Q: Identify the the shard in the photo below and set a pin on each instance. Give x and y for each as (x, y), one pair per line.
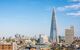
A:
(53, 30)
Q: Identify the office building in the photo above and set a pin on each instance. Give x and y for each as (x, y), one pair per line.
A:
(53, 31)
(69, 35)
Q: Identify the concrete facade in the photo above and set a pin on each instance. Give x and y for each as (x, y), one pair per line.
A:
(69, 35)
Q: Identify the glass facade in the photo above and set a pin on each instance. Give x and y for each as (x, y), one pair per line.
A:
(53, 31)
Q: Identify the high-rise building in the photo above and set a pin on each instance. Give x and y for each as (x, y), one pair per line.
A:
(69, 35)
(53, 31)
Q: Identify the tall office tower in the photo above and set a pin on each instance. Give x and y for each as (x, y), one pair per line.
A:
(69, 35)
(53, 31)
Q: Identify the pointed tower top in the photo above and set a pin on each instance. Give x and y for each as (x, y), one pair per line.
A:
(53, 12)
(53, 31)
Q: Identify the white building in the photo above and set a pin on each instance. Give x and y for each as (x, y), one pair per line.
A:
(43, 39)
(15, 47)
(69, 35)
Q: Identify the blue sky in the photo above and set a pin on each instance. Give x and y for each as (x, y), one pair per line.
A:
(33, 17)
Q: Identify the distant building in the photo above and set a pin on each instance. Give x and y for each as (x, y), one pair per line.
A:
(43, 39)
(76, 38)
(30, 48)
(8, 46)
(61, 38)
(69, 35)
(38, 47)
(45, 49)
(53, 31)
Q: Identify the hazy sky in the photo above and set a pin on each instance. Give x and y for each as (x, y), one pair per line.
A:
(33, 17)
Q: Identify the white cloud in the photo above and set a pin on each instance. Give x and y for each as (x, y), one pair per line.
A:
(75, 6)
(75, 0)
(60, 8)
(69, 7)
(74, 14)
(70, 10)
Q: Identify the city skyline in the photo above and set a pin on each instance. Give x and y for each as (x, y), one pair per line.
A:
(30, 17)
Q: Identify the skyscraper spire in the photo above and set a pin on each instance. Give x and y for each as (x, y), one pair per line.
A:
(53, 31)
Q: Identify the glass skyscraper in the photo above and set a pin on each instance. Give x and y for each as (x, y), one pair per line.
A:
(53, 30)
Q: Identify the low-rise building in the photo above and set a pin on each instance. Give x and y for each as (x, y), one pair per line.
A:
(43, 39)
(8, 46)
